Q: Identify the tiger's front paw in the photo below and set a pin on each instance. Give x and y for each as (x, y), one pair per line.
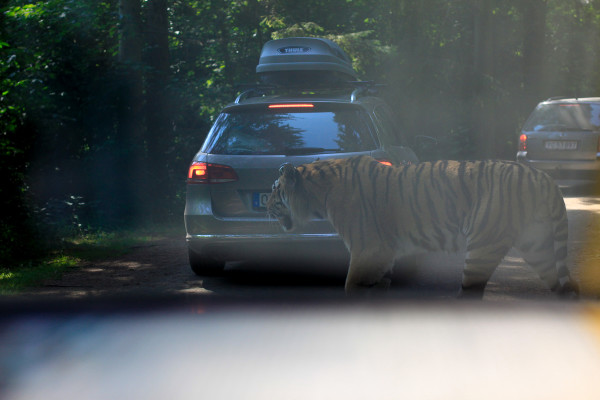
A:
(473, 292)
(367, 289)
(383, 284)
(568, 291)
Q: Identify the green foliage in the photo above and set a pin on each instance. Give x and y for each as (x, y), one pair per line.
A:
(72, 252)
(14, 279)
(79, 146)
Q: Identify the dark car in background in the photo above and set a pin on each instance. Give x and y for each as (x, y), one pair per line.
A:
(311, 111)
(562, 138)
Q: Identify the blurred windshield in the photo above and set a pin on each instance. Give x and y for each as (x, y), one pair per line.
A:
(566, 116)
(290, 133)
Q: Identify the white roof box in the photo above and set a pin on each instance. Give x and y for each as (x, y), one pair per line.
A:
(304, 61)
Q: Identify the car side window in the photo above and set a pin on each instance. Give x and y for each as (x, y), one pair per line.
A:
(389, 128)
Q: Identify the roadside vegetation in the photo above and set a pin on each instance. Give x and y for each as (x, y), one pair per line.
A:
(74, 250)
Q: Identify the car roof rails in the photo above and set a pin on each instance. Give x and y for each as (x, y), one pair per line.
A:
(252, 90)
(367, 88)
(359, 88)
(557, 98)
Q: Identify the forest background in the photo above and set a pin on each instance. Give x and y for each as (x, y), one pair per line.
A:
(104, 103)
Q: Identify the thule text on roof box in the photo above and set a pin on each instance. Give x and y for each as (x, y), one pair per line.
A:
(304, 61)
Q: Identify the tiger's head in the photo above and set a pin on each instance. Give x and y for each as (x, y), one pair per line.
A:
(284, 197)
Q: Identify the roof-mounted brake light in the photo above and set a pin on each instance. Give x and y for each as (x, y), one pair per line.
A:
(291, 105)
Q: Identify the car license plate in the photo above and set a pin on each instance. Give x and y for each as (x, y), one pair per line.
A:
(259, 200)
(561, 145)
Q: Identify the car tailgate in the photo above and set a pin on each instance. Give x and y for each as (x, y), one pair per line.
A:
(246, 198)
(570, 145)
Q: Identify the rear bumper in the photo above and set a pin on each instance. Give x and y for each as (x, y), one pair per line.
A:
(243, 238)
(269, 246)
(565, 173)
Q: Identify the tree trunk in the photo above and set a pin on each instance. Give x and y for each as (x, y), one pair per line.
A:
(534, 38)
(482, 115)
(128, 155)
(158, 112)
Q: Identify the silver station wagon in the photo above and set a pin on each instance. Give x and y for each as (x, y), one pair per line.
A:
(230, 178)
(562, 138)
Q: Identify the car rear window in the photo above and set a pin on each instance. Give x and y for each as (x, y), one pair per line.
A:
(290, 132)
(564, 116)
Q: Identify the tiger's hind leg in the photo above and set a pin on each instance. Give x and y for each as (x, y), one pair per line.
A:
(368, 271)
(480, 263)
(538, 248)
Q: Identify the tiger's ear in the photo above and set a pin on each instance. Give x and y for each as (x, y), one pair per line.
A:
(289, 171)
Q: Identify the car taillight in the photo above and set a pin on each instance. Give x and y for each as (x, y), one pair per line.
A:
(201, 172)
(523, 142)
(385, 162)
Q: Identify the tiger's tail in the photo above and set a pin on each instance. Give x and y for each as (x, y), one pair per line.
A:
(565, 285)
(544, 239)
